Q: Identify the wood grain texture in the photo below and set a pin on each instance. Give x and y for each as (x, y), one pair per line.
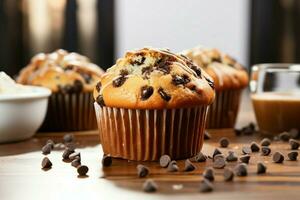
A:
(21, 176)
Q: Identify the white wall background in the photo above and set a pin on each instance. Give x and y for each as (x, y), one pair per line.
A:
(183, 24)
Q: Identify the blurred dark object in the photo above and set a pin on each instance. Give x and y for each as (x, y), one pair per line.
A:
(29, 27)
(275, 31)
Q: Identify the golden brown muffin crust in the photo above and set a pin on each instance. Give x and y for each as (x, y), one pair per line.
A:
(226, 72)
(61, 71)
(154, 79)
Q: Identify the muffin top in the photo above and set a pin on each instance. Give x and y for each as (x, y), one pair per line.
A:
(225, 71)
(154, 79)
(61, 71)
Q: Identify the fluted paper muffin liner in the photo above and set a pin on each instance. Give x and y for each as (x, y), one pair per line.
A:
(145, 135)
(223, 112)
(70, 112)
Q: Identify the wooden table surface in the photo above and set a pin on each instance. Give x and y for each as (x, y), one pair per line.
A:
(21, 176)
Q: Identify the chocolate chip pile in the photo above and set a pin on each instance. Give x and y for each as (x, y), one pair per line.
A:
(69, 154)
(219, 159)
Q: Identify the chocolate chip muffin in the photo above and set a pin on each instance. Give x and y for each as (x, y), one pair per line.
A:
(150, 103)
(71, 78)
(230, 79)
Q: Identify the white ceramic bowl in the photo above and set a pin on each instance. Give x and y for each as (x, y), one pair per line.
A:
(22, 114)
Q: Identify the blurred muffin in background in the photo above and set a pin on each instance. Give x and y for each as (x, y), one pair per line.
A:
(71, 78)
(230, 79)
(150, 103)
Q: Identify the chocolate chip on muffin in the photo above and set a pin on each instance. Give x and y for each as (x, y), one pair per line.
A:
(146, 92)
(178, 80)
(119, 81)
(197, 70)
(146, 71)
(87, 77)
(98, 86)
(124, 72)
(210, 83)
(100, 100)
(164, 95)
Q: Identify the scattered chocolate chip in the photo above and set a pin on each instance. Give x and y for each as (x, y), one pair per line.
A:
(231, 156)
(74, 155)
(265, 142)
(164, 95)
(216, 152)
(47, 149)
(189, 166)
(51, 142)
(252, 126)
(293, 155)
(98, 86)
(261, 168)
(228, 174)
(209, 174)
(82, 170)
(294, 133)
(119, 81)
(59, 146)
(224, 142)
(146, 92)
(278, 157)
(106, 161)
(76, 162)
(46, 163)
(77, 86)
(219, 162)
(254, 147)
(200, 157)
(142, 170)
(241, 169)
(100, 100)
(276, 138)
(164, 160)
(238, 132)
(246, 150)
(284, 136)
(206, 186)
(67, 152)
(68, 138)
(70, 145)
(173, 167)
(149, 186)
(245, 159)
(294, 144)
(207, 135)
(210, 83)
(265, 151)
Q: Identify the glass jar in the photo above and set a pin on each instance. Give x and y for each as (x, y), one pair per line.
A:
(275, 95)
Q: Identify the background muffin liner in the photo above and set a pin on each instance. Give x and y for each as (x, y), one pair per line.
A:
(70, 112)
(223, 112)
(145, 135)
